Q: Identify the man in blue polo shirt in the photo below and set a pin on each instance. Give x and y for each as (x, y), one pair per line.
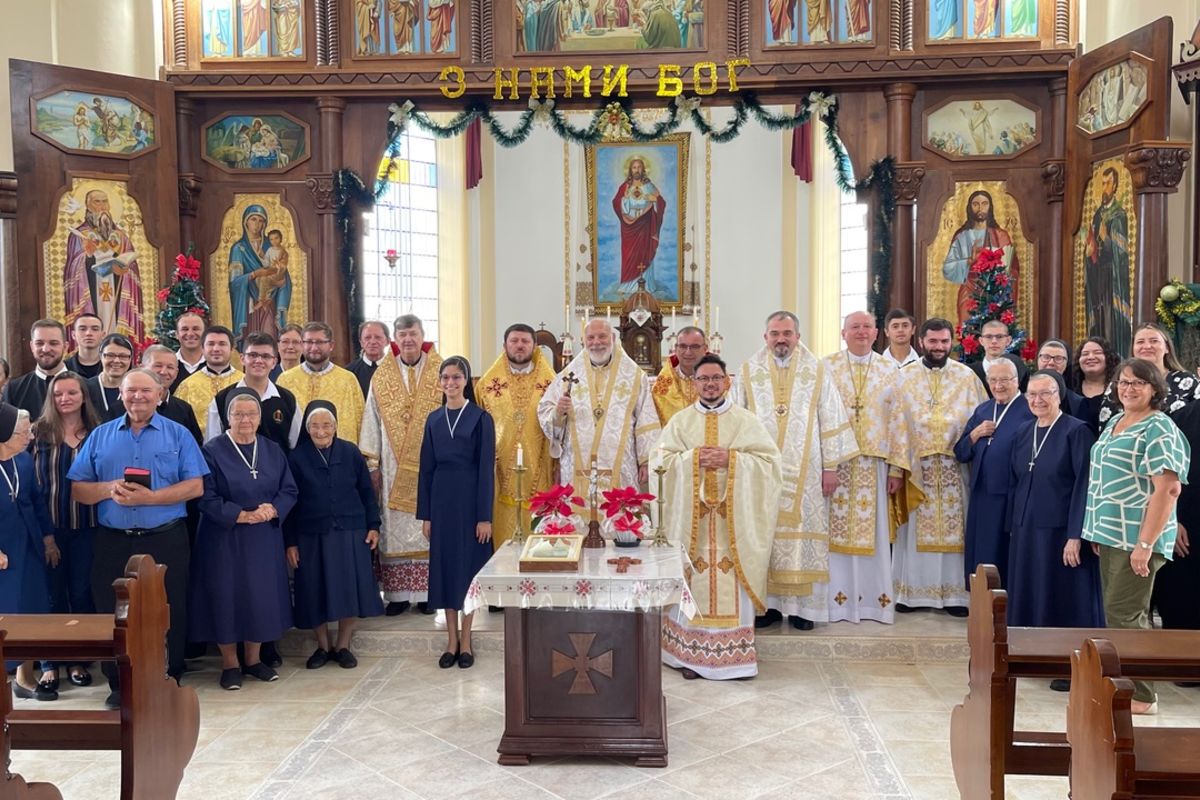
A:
(134, 519)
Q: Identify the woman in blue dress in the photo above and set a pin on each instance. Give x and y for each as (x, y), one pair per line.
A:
(1053, 577)
(26, 537)
(330, 535)
(454, 499)
(985, 444)
(239, 586)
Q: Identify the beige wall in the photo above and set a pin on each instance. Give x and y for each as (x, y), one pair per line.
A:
(118, 36)
(1105, 20)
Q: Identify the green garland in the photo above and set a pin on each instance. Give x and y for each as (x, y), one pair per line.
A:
(615, 120)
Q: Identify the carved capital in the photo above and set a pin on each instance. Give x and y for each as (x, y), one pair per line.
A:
(1157, 166)
(900, 92)
(189, 194)
(328, 104)
(1054, 179)
(909, 175)
(321, 187)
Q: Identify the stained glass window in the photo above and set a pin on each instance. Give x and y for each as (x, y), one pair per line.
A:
(818, 22)
(400, 247)
(252, 28)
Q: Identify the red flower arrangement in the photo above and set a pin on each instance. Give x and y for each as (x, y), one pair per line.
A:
(1030, 350)
(187, 268)
(552, 510)
(625, 512)
(990, 299)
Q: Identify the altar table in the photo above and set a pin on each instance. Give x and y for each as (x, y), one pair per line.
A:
(582, 653)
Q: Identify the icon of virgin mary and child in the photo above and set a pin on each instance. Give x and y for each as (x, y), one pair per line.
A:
(260, 288)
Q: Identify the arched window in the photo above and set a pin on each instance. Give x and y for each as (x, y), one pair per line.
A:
(400, 247)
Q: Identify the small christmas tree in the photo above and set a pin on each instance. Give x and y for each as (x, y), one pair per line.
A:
(184, 295)
(991, 299)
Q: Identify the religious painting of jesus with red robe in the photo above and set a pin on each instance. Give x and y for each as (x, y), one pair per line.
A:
(637, 197)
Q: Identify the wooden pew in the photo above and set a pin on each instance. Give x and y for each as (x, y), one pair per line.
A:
(13, 786)
(158, 723)
(1108, 759)
(983, 743)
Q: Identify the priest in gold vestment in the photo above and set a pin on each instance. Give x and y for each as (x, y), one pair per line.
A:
(599, 410)
(793, 395)
(860, 559)
(936, 397)
(673, 390)
(510, 391)
(404, 392)
(200, 388)
(318, 378)
(721, 494)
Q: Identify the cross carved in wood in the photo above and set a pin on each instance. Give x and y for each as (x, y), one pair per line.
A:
(623, 563)
(582, 663)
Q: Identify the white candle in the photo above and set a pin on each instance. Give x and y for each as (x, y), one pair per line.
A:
(717, 319)
(608, 314)
(672, 319)
(520, 455)
(567, 317)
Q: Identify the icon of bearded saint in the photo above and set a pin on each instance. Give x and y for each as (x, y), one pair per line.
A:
(101, 274)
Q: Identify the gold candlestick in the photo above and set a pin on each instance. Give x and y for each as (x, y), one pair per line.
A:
(660, 533)
(518, 535)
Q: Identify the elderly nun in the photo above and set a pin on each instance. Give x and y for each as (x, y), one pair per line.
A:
(1053, 576)
(239, 589)
(330, 535)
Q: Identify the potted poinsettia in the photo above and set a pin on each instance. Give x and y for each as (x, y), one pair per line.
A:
(626, 515)
(553, 511)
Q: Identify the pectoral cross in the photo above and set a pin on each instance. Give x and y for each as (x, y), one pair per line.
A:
(857, 407)
(623, 563)
(1031, 463)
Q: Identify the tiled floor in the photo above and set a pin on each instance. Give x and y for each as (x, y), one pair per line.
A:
(398, 727)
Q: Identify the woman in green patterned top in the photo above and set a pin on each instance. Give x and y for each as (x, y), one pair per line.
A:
(1132, 488)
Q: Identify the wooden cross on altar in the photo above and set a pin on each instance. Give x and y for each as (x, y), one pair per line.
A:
(623, 563)
(582, 662)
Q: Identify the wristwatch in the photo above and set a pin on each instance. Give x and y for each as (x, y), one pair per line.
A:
(1144, 545)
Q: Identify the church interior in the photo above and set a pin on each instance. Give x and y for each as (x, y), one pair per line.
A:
(467, 161)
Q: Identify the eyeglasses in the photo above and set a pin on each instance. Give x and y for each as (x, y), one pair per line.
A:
(1001, 380)
(307, 342)
(243, 415)
(258, 356)
(117, 356)
(1045, 395)
(709, 378)
(1135, 384)
(689, 348)
(1053, 359)
(994, 337)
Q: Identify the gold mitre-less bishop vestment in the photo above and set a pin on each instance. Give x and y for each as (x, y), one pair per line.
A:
(799, 405)
(936, 404)
(200, 388)
(867, 388)
(725, 520)
(613, 422)
(401, 398)
(512, 397)
(672, 391)
(333, 384)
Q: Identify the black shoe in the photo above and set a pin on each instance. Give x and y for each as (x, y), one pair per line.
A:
(231, 679)
(23, 693)
(903, 609)
(270, 655)
(345, 659)
(689, 674)
(1188, 684)
(447, 660)
(495, 609)
(47, 691)
(767, 620)
(396, 609)
(318, 659)
(800, 623)
(425, 609)
(958, 611)
(466, 661)
(261, 671)
(1060, 685)
(113, 701)
(83, 678)
(51, 685)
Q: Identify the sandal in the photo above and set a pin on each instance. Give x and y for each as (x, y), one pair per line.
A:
(47, 690)
(80, 677)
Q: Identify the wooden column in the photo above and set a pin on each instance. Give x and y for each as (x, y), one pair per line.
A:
(189, 183)
(328, 296)
(1049, 321)
(1157, 168)
(899, 138)
(11, 334)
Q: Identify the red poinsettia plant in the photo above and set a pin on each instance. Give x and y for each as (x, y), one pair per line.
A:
(626, 512)
(990, 298)
(553, 511)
